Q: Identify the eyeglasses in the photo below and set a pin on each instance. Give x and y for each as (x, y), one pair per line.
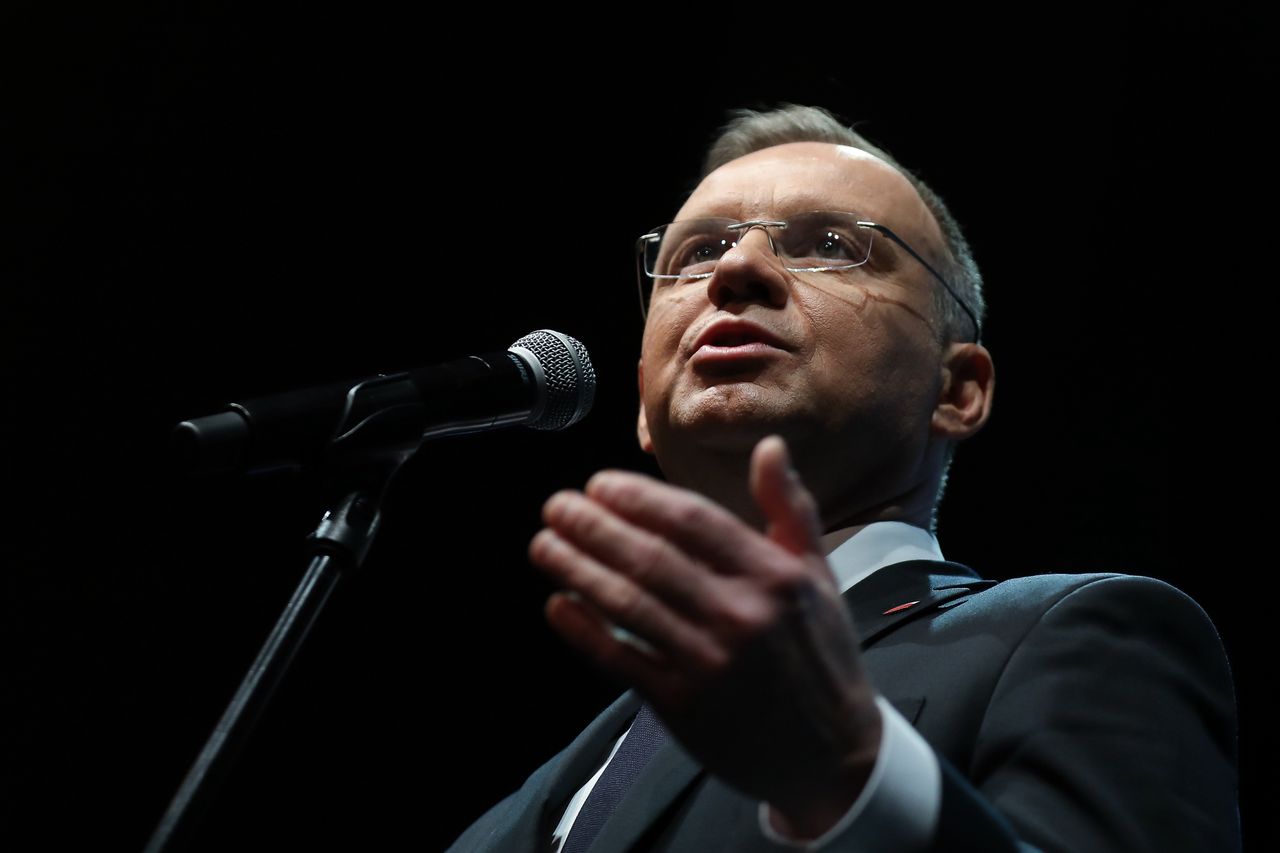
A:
(815, 241)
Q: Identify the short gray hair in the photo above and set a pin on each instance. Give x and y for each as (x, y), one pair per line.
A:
(751, 130)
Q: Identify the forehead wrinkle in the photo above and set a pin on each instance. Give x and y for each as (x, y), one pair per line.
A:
(739, 205)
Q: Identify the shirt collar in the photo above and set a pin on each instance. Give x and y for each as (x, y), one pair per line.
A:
(855, 552)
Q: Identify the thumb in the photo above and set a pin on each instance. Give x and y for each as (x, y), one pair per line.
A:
(790, 511)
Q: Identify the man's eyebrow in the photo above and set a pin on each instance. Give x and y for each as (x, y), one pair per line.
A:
(795, 204)
(792, 205)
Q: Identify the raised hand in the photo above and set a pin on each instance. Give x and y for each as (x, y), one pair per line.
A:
(739, 639)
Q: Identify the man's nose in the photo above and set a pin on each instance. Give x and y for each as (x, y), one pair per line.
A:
(750, 271)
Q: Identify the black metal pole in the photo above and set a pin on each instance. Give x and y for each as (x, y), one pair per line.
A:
(341, 541)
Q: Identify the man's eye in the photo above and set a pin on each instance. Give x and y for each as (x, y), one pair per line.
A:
(832, 245)
(827, 246)
(699, 257)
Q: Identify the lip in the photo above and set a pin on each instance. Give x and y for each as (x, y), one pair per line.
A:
(748, 347)
(754, 338)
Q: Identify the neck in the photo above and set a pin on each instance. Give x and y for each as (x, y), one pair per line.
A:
(723, 476)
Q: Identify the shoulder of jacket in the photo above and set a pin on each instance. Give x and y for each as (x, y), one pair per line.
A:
(1145, 598)
(1044, 591)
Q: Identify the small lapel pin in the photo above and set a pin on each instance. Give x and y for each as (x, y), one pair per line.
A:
(900, 607)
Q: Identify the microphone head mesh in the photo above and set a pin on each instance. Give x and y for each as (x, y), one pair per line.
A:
(567, 384)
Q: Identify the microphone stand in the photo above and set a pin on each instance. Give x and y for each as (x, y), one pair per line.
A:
(361, 461)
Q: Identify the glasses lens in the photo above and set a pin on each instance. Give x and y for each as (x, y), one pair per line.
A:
(687, 249)
(824, 240)
(814, 241)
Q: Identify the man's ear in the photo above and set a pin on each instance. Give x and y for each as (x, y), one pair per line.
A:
(642, 426)
(968, 385)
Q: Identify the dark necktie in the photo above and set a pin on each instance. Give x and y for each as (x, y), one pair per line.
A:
(642, 741)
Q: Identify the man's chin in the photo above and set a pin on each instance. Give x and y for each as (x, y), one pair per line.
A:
(727, 432)
(730, 417)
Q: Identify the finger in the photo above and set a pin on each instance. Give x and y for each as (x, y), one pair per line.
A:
(648, 559)
(789, 508)
(696, 525)
(592, 636)
(625, 603)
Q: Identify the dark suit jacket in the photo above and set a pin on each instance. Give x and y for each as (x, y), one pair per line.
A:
(1083, 713)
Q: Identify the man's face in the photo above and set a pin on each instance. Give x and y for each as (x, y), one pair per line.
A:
(845, 364)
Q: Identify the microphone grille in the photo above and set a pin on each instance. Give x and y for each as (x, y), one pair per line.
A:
(566, 379)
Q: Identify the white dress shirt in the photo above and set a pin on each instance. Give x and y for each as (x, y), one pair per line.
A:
(898, 808)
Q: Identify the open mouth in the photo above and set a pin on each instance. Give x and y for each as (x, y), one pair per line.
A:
(731, 339)
(736, 335)
(734, 349)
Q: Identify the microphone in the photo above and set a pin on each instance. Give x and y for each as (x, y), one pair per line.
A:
(544, 381)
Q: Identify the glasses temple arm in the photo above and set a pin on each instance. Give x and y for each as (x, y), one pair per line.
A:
(977, 327)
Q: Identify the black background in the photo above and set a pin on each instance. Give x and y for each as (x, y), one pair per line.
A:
(211, 201)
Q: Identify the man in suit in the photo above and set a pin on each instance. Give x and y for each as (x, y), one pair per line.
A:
(809, 671)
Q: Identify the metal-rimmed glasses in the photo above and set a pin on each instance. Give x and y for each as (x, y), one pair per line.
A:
(813, 241)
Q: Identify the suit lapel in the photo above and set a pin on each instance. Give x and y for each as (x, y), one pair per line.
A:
(905, 591)
(928, 583)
